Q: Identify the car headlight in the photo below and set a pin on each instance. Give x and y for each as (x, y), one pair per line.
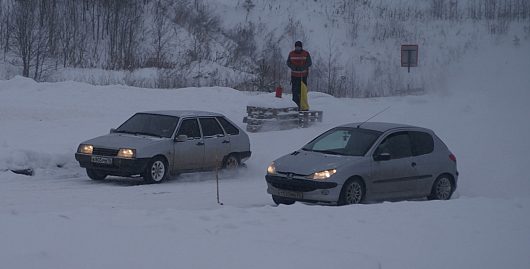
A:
(271, 170)
(323, 175)
(127, 153)
(85, 149)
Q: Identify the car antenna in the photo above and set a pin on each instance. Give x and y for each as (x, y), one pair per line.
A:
(358, 126)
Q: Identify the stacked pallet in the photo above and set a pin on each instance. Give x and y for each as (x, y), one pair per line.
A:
(268, 118)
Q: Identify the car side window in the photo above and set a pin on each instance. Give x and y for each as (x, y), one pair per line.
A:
(229, 127)
(210, 127)
(190, 127)
(422, 143)
(397, 144)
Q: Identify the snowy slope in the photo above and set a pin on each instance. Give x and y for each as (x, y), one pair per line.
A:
(61, 219)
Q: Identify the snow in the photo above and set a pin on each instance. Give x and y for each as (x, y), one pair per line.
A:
(59, 218)
(271, 101)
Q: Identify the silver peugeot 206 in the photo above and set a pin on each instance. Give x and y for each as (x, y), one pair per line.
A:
(361, 162)
(158, 143)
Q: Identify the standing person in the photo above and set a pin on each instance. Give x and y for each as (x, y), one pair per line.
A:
(299, 62)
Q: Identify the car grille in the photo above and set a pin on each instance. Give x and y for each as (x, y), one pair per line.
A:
(297, 184)
(293, 187)
(105, 152)
(287, 174)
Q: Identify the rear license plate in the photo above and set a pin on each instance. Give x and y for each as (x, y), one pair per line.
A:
(288, 194)
(101, 160)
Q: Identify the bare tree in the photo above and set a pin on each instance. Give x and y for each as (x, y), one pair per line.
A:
(244, 47)
(248, 5)
(332, 68)
(161, 35)
(5, 26)
(29, 36)
(125, 23)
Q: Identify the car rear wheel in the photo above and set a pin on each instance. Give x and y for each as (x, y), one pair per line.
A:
(156, 170)
(95, 174)
(442, 189)
(282, 201)
(352, 192)
(231, 162)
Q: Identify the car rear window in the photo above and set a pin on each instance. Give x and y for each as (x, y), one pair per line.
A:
(210, 127)
(229, 127)
(422, 143)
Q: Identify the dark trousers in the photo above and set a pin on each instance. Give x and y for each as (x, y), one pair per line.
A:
(296, 88)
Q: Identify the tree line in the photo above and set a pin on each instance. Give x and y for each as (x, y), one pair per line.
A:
(175, 36)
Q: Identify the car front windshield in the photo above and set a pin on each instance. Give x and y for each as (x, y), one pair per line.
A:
(344, 141)
(149, 124)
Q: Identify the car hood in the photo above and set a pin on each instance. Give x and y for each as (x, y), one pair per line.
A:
(308, 162)
(116, 141)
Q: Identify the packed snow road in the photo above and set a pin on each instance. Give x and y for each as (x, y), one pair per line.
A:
(59, 218)
(63, 222)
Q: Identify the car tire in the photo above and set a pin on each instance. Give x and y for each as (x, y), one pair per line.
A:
(95, 174)
(156, 170)
(282, 201)
(231, 162)
(353, 192)
(442, 188)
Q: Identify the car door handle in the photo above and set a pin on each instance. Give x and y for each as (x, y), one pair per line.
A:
(226, 141)
(200, 143)
(413, 164)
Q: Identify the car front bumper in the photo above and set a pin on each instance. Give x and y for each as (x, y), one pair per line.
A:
(304, 190)
(119, 166)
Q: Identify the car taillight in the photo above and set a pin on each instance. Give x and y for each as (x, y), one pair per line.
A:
(452, 157)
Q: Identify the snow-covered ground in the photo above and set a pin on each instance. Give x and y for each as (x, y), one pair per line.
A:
(59, 218)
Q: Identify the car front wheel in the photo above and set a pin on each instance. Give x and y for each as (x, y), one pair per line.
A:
(156, 170)
(352, 192)
(95, 174)
(442, 189)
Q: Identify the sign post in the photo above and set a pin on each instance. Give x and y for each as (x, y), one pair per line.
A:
(409, 56)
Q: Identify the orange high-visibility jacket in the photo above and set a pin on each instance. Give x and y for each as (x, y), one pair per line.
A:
(299, 62)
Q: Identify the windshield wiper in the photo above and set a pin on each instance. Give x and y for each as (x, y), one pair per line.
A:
(145, 133)
(328, 152)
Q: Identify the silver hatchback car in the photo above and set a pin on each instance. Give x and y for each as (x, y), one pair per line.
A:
(157, 143)
(361, 162)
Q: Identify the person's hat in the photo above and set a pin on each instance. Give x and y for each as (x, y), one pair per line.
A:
(298, 44)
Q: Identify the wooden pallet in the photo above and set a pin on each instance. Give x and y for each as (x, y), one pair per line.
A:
(306, 118)
(265, 118)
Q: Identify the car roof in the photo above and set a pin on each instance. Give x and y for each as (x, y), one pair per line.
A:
(184, 113)
(382, 126)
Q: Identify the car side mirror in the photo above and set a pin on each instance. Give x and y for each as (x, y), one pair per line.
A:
(112, 130)
(181, 138)
(382, 157)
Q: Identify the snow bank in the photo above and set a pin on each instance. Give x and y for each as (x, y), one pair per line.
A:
(271, 101)
(8, 70)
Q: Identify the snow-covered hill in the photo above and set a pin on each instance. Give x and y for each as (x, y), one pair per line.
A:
(243, 44)
(59, 218)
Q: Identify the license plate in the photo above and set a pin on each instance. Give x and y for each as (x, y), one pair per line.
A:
(102, 160)
(288, 194)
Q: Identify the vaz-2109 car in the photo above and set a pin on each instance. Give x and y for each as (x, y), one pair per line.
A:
(357, 162)
(155, 144)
